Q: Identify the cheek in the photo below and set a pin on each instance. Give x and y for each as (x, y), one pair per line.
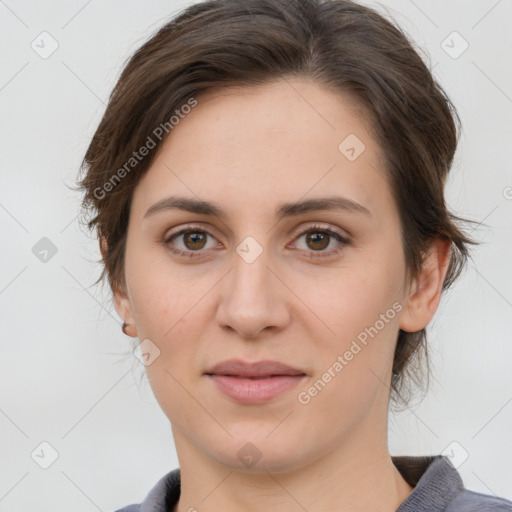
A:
(168, 310)
(171, 314)
(160, 293)
(353, 366)
(351, 299)
(359, 307)
(170, 307)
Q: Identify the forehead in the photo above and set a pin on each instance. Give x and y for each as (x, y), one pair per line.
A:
(265, 145)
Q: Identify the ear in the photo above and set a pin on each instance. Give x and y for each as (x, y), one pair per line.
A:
(121, 299)
(425, 294)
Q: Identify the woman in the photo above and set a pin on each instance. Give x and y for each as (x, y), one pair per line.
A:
(267, 184)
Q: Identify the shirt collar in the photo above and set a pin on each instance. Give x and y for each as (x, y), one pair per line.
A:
(435, 480)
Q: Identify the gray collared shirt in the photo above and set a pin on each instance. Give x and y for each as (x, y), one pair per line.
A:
(437, 487)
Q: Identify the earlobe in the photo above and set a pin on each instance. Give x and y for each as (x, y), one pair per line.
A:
(425, 293)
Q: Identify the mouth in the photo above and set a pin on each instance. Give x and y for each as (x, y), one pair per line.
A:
(258, 369)
(254, 383)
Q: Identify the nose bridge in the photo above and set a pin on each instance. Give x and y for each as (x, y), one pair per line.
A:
(252, 299)
(250, 272)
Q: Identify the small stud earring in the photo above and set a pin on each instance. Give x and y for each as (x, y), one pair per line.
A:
(123, 328)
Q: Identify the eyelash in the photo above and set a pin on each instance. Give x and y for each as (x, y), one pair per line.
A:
(316, 228)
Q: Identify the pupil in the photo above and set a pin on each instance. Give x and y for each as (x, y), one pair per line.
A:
(196, 238)
(318, 238)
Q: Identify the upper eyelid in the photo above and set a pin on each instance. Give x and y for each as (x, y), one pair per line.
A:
(300, 231)
(320, 226)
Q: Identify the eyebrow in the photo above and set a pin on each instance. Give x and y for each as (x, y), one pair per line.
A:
(199, 206)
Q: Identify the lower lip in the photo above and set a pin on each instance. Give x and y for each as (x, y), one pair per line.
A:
(255, 391)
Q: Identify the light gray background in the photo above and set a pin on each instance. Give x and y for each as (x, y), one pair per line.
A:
(64, 379)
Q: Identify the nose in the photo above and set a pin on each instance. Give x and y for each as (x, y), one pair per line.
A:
(253, 298)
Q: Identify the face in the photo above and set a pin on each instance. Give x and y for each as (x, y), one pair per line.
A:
(318, 288)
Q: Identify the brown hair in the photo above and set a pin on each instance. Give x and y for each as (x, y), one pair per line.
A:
(340, 44)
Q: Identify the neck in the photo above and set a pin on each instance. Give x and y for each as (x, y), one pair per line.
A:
(358, 475)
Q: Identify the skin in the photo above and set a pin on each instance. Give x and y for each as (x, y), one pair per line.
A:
(291, 304)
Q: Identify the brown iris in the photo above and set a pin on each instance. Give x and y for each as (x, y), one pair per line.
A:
(197, 239)
(317, 237)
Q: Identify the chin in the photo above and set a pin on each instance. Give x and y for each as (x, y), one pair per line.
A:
(260, 454)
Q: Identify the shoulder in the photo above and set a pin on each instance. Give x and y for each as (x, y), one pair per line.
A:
(130, 508)
(438, 487)
(161, 498)
(469, 501)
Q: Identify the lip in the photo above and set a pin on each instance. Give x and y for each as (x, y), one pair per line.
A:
(254, 383)
(266, 368)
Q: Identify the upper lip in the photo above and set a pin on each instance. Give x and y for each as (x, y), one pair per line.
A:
(240, 368)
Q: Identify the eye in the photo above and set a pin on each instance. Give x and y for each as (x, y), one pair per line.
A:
(194, 239)
(318, 238)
